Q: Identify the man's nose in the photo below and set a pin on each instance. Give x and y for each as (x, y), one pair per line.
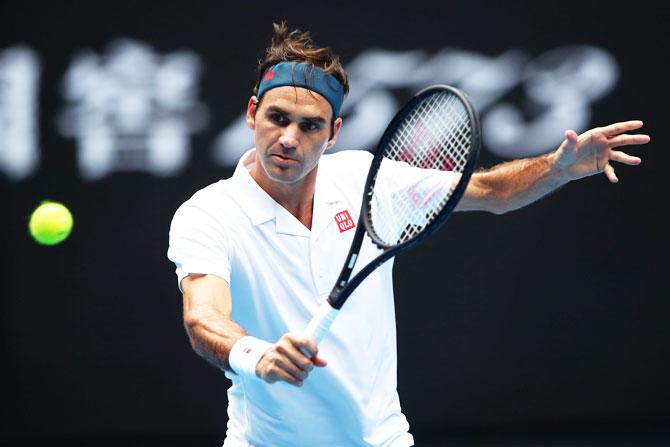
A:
(290, 136)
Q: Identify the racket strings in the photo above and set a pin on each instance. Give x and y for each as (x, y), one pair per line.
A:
(414, 183)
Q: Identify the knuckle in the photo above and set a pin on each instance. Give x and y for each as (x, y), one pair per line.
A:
(309, 347)
(291, 340)
(299, 340)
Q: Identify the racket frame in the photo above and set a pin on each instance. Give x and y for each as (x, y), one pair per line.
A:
(345, 285)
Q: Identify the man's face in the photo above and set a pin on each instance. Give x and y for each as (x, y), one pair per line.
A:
(292, 130)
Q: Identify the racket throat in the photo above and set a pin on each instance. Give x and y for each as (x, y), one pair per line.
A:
(344, 276)
(339, 293)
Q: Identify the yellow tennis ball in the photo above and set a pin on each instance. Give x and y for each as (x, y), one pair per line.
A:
(50, 223)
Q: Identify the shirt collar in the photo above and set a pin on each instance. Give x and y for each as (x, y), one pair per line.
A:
(261, 208)
(255, 202)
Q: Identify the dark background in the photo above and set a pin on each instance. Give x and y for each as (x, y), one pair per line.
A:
(542, 326)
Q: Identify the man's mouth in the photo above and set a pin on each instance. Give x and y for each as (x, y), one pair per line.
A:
(283, 158)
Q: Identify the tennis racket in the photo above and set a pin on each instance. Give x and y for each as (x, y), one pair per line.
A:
(433, 141)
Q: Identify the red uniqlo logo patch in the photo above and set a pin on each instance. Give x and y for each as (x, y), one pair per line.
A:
(344, 221)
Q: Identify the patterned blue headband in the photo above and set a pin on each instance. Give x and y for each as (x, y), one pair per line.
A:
(299, 74)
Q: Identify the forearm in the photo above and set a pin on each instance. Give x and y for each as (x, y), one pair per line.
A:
(512, 185)
(515, 184)
(213, 337)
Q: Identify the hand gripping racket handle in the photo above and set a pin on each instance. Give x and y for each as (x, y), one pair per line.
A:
(321, 322)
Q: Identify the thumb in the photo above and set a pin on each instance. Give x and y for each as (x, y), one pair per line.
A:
(571, 137)
(318, 361)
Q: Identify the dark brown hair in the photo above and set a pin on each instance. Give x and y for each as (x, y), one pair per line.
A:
(298, 46)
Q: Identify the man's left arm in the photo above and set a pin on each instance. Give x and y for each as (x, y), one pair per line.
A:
(515, 184)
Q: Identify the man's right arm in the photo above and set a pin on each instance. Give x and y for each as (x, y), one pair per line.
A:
(207, 318)
(208, 321)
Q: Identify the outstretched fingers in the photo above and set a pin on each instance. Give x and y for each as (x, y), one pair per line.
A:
(624, 158)
(594, 151)
(609, 172)
(618, 128)
(616, 137)
(628, 140)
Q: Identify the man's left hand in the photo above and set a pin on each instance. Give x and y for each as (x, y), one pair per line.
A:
(591, 152)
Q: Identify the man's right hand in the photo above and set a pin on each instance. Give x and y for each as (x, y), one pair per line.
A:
(286, 360)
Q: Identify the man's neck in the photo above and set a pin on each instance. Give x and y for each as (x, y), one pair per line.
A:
(296, 198)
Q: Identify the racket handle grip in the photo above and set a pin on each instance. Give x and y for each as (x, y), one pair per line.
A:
(321, 322)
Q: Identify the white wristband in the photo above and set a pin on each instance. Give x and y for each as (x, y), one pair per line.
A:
(246, 353)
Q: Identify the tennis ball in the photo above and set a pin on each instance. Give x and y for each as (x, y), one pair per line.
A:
(50, 223)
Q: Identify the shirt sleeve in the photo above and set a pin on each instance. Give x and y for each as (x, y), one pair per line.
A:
(198, 244)
(406, 195)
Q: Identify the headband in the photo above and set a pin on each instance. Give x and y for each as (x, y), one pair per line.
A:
(299, 74)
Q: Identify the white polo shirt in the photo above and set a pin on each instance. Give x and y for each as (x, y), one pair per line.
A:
(280, 272)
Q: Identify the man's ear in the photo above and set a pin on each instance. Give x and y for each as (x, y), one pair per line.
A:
(251, 112)
(337, 125)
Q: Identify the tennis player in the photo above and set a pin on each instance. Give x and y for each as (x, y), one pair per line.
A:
(256, 254)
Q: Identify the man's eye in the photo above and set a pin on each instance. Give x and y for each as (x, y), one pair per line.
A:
(308, 126)
(278, 118)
